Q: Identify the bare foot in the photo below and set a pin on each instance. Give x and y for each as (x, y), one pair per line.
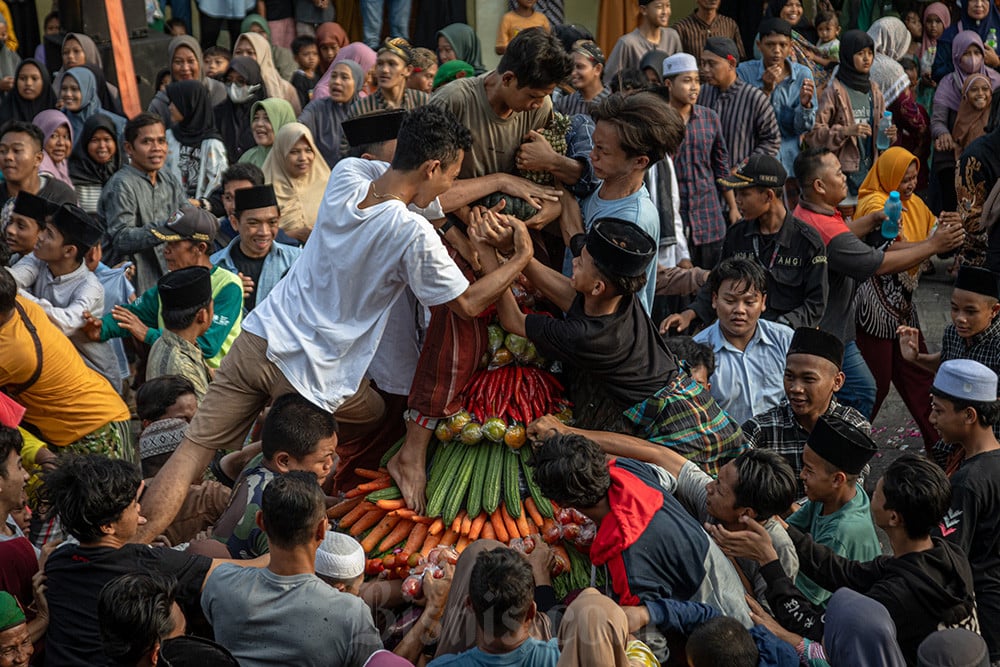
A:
(408, 469)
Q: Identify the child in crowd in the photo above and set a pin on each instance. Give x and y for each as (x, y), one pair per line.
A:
(306, 77)
(915, 26)
(425, 67)
(521, 18)
(828, 46)
(175, 27)
(697, 358)
(26, 220)
(217, 61)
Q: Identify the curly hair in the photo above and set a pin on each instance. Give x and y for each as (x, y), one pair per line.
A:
(572, 469)
(90, 491)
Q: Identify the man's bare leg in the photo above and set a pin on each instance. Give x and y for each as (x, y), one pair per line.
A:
(166, 492)
(409, 466)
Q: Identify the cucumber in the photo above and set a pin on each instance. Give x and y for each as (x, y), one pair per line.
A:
(456, 494)
(541, 502)
(512, 483)
(494, 475)
(392, 493)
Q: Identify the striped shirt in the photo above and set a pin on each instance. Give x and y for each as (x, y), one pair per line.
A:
(747, 117)
(571, 105)
(694, 33)
(376, 102)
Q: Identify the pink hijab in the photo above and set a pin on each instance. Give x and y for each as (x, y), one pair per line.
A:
(949, 91)
(939, 10)
(356, 51)
(49, 121)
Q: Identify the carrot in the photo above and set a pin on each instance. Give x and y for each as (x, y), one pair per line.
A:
(448, 539)
(356, 514)
(431, 542)
(341, 509)
(476, 529)
(367, 521)
(499, 528)
(418, 518)
(463, 541)
(404, 513)
(437, 527)
(371, 474)
(416, 538)
(387, 505)
(376, 485)
(488, 533)
(546, 525)
(399, 533)
(536, 516)
(532, 526)
(522, 525)
(456, 525)
(383, 528)
(466, 524)
(508, 522)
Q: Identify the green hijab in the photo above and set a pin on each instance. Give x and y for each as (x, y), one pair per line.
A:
(255, 19)
(280, 113)
(465, 44)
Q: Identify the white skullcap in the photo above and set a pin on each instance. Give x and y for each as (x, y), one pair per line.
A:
(340, 557)
(679, 63)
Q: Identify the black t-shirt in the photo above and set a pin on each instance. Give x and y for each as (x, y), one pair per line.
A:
(622, 350)
(278, 9)
(250, 267)
(75, 576)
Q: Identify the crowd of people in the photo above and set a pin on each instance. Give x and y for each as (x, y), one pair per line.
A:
(218, 315)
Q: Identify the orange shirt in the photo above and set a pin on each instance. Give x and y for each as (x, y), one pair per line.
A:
(69, 400)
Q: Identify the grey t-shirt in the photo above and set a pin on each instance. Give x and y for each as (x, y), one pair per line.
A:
(266, 619)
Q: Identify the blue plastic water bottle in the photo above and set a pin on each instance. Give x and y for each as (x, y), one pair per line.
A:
(893, 211)
(882, 142)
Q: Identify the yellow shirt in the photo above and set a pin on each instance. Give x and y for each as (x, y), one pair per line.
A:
(69, 400)
(513, 23)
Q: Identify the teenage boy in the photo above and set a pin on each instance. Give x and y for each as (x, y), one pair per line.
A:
(186, 311)
(812, 376)
(837, 513)
(628, 379)
(790, 252)
(589, 89)
(706, 22)
(188, 236)
(522, 17)
(56, 277)
(26, 221)
(925, 585)
(701, 161)
(393, 67)
(749, 351)
(652, 34)
(964, 410)
(851, 261)
(254, 255)
(21, 145)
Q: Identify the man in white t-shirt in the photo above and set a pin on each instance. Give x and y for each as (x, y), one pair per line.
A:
(317, 331)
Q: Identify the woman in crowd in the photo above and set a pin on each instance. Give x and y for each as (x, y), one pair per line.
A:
(78, 93)
(299, 175)
(324, 116)
(94, 160)
(57, 146)
(79, 50)
(892, 39)
(459, 41)
(356, 52)
(330, 39)
(232, 118)
(884, 303)
(186, 63)
(252, 45)
(195, 152)
(266, 118)
(283, 59)
(32, 93)
(978, 16)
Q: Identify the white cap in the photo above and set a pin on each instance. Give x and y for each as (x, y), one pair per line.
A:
(966, 380)
(679, 63)
(340, 557)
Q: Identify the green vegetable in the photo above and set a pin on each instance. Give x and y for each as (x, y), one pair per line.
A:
(472, 433)
(457, 493)
(491, 487)
(511, 483)
(494, 429)
(496, 337)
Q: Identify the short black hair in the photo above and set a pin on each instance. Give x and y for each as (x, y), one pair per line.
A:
(501, 589)
(744, 272)
(630, 80)
(623, 285)
(824, 17)
(8, 292)
(301, 42)
(155, 396)
(295, 425)
(218, 51)
(243, 171)
(427, 133)
(89, 491)
(807, 166)
(536, 58)
(80, 249)
(767, 484)
(988, 413)
(178, 319)
(134, 615)
(160, 76)
(646, 124)
(694, 353)
(569, 34)
(54, 14)
(919, 491)
(292, 504)
(722, 641)
(10, 441)
(572, 469)
(24, 127)
(141, 120)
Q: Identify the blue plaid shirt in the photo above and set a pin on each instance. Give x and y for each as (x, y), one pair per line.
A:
(701, 159)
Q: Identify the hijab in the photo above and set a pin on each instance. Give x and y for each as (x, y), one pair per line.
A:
(951, 89)
(859, 632)
(465, 43)
(15, 107)
(216, 91)
(970, 123)
(330, 33)
(892, 40)
(886, 175)
(82, 168)
(276, 86)
(90, 103)
(90, 51)
(851, 43)
(251, 20)
(981, 28)
(232, 118)
(324, 117)
(279, 113)
(298, 198)
(49, 121)
(198, 124)
(356, 52)
(939, 10)
(654, 60)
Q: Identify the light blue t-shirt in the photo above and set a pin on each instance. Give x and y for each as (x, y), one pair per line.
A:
(532, 653)
(638, 209)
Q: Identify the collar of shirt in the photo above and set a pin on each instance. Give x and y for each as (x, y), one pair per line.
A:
(783, 236)
(990, 333)
(144, 176)
(762, 335)
(754, 70)
(75, 274)
(791, 415)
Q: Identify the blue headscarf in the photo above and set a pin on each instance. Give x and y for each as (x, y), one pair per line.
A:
(90, 102)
